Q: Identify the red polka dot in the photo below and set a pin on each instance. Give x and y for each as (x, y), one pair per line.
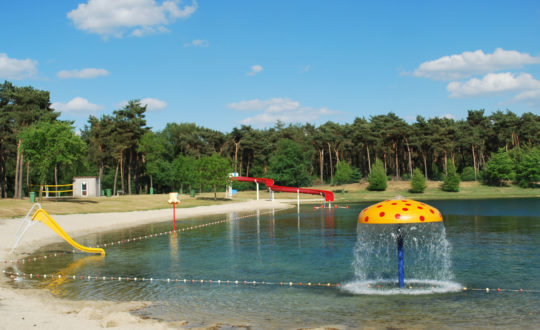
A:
(420, 207)
(422, 218)
(381, 214)
(432, 212)
(404, 201)
(397, 216)
(408, 204)
(405, 209)
(366, 219)
(379, 206)
(394, 203)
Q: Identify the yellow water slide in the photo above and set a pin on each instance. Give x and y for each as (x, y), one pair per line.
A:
(43, 216)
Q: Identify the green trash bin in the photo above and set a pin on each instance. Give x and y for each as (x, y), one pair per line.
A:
(151, 191)
(192, 192)
(108, 192)
(102, 192)
(32, 197)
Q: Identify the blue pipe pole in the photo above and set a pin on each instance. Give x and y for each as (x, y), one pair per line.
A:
(401, 270)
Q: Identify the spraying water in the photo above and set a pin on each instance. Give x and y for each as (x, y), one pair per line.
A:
(395, 257)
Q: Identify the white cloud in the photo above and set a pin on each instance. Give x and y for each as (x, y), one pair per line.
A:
(467, 64)
(529, 95)
(198, 43)
(493, 83)
(275, 109)
(448, 116)
(306, 68)
(150, 103)
(255, 69)
(82, 74)
(12, 68)
(77, 106)
(138, 17)
(153, 104)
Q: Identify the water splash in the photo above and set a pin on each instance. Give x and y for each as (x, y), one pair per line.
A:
(428, 267)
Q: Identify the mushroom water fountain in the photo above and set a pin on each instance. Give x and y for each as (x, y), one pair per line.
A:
(416, 232)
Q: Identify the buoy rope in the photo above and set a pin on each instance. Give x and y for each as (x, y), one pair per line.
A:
(14, 275)
(137, 238)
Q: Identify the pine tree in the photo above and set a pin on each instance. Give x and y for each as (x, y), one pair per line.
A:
(418, 182)
(377, 179)
(451, 180)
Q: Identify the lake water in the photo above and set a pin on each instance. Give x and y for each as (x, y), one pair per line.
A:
(491, 244)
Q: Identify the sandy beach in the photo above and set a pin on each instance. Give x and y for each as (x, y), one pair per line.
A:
(32, 308)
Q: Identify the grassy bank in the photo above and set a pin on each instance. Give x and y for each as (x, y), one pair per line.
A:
(352, 193)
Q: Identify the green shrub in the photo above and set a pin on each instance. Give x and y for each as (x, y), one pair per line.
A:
(406, 177)
(500, 168)
(343, 173)
(377, 179)
(528, 168)
(467, 174)
(451, 180)
(356, 175)
(418, 182)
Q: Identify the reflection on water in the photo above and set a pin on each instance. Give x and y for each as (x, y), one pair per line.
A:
(318, 246)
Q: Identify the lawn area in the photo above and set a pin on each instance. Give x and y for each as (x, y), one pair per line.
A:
(469, 190)
(356, 192)
(18, 208)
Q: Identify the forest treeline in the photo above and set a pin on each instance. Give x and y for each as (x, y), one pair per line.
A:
(129, 156)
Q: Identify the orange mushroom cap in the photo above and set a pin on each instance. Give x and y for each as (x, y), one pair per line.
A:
(398, 211)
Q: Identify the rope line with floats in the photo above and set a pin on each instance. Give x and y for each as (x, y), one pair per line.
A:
(306, 284)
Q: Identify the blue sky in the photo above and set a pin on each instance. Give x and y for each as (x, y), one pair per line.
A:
(222, 64)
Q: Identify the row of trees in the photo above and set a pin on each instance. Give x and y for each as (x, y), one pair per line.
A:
(128, 155)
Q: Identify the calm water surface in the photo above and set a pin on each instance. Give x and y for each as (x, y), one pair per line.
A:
(492, 243)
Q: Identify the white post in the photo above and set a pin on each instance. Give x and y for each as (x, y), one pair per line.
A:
(298, 198)
(257, 190)
(272, 195)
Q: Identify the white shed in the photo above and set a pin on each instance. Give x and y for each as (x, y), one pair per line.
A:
(86, 186)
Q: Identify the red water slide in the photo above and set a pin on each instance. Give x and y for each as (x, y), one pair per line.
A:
(328, 195)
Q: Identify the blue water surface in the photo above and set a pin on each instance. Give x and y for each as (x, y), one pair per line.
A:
(494, 244)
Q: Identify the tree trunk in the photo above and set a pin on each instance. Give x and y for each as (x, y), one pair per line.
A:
(129, 171)
(41, 190)
(151, 182)
(474, 161)
(28, 177)
(122, 174)
(410, 161)
(115, 178)
(445, 163)
(331, 164)
(368, 159)
(236, 146)
(56, 179)
(321, 164)
(425, 165)
(21, 160)
(397, 161)
(100, 174)
(16, 183)
(215, 193)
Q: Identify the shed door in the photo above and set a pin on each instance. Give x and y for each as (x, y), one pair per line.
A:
(84, 188)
